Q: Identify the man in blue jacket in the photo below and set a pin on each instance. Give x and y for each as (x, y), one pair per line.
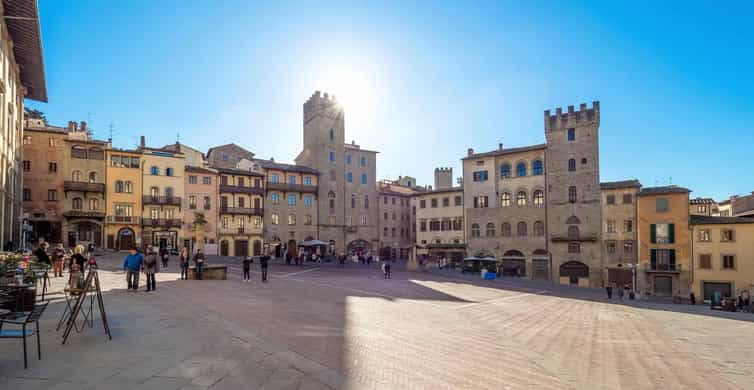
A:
(132, 266)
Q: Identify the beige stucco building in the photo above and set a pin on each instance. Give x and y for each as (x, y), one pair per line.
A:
(124, 199)
(703, 206)
(163, 176)
(241, 212)
(723, 256)
(619, 238)
(201, 186)
(439, 224)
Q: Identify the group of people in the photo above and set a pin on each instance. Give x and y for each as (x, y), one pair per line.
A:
(622, 291)
(59, 258)
(136, 263)
(264, 262)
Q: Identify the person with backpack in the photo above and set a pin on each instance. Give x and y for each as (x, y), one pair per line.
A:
(247, 267)
(184, 262)
(199, 263)
(150, 267)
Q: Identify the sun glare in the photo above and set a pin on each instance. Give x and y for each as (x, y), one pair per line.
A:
(353, 91)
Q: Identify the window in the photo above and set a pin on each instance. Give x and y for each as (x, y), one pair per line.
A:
(118, 186)
(422, 226)
(572, 165)
(433, 202)
(662, 233)
(274, 178)
(705, 261)
(27, 165)
(480, 176)
(207, 203)
(333, 220)
(92, 177)
(457, 201)
(701, 208)
(505, 229)
(154, 171)
(611, 199)
(364, 163)
(52, 195)
(154, 192)
(307, 201)
(474, 230)
(331, 198)
(628, 226)
(364, 222)
(27, 140)
(349, 177)
(505, 199)
(128, 187)
(610, 247)
(727, 235)
(332, 156)
(574, 247)
(521, 169)
(539, 198)
(291, 200)
(225, 157)
(76, 175)
(27, 194)
(583, 161)
(521, 229)
(571, 134)
(366, 201)
(392, 200)
(53, 166)
(521, 199)
(307, 180)
(206, 180)
(363, 178)
(192, 179)
(627, 198)
(275, 219)
(275, 198)
(704, 235)
(168, 192)
(291, 219)
(192, 202)
(539, 228)
(348, 159)
(505, 170)
(307, 219)
(241, 202)
(628, 247)
(77, 203)
(332, 135)
(422, 204)
(572, 194)
(537, 168)
(611, 226)
(445, 202)
(490, 232)
(729, 262)
(224, 180)
(480, 202)
(573, 232)
(661, 204)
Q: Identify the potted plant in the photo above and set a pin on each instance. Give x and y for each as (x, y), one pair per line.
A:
(13, 266)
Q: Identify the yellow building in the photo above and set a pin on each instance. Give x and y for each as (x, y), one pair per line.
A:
(241, 211)
(723, 253)
(664, 247)
(124, 194)
(162, 192)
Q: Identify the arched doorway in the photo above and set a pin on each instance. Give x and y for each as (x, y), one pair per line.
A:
(484, 253)
(257, 248)
(359, 246)
(292, 248)
(386, 252)
(539, 264)
(126, 239)
(224, 248)
(574, 273)
(513, 264)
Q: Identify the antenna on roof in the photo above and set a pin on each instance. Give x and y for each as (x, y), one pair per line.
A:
(112, 126)
(178, 137)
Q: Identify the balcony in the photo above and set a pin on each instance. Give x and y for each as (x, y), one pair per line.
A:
(83, 214)
(161, 222)
(292, 187)
(83, 186)
(124, 219)
(663, 268)
(240, 230)
(161, 199)
(226, 188)
(241, 210)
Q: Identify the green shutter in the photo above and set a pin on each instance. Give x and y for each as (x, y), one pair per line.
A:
(653, 233)
(653, 258)
(671, 233)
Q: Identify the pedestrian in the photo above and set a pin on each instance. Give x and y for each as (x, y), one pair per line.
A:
(388, 274)
(164, 256)
(384, 274)
(41, 253)
(342, 260)
(132, 266)
(692, 298)
(369, 260)
(263, 264)
(620, 293)
(150, 267)
(199, 264)
(246, 267)
(57, 260)
(78, 258)
(184, 262)
(740, 302)
(609, 290)
(625, 290)
(91, 249)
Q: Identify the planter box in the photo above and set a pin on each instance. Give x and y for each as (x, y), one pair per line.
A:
(210, 273)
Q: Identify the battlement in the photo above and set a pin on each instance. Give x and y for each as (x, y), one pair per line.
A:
(572, 118)
(443, 169)
(318, 102)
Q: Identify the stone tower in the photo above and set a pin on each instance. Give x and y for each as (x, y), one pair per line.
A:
(443, 178)
(573, 194)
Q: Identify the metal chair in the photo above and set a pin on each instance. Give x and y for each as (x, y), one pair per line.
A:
(23, 333)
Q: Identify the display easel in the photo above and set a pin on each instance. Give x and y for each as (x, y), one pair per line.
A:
(91, 286)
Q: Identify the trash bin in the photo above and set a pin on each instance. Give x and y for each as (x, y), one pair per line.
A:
(489, 276)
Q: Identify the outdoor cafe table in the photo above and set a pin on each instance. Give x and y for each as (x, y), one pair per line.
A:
(21, 287)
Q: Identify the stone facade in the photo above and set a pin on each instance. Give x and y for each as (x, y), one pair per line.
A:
(227, 156)
(163, 176)
(619, 240)
(443, 178)
(124, 196)
(241, 212)
(505, 214)
(573, 195)
(347, 184)
(201, 196)
(396, 220)
(703, 206)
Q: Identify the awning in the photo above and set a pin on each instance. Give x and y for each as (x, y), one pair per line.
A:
(314, 243)
(22, 19)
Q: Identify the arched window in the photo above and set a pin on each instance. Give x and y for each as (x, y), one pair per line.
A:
(92, 177)
(77, 203)
(573, 220)
(539, 198)
(572, 194)
(521, 229)
(573, 232)
(490, 230)
(572, 165)
(366, 201)
(76, 175)
(93, 204)
(128, 187)
(521, 199)
(505, 199)
(168, 192)
(118, 186)
(505, 229)
(536, 167)
(505, 170)
(353, 201)
(474, 230)
(539, 228)
(154, 171)
(168, 171)
(521, 169)
(291, 219)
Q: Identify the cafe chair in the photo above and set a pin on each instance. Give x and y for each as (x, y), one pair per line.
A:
(23, 333)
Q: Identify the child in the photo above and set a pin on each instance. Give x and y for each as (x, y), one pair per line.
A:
(246, 268)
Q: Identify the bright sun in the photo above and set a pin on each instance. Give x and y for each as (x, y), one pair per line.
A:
(353, 91)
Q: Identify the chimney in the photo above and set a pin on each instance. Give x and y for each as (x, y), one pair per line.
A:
(500, 146)
(272, 159)
(83, 125)
(470, 152)
(70, 126)
(142, 142)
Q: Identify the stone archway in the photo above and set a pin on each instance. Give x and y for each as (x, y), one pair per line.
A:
(359, 246)
(126, 239)
(539, 264)
(574, 272)
(513, 263)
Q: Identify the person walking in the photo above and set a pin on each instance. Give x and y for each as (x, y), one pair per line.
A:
(388, 274)
(199, 264)
(57, 260)
(620, 293)
(78, 258)
(263, 263)
(246, 268)
(184, 262)
(609, 290)
(150, 267)
(132, 266)
(164, 256)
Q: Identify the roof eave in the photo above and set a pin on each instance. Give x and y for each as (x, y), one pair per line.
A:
(22, 20)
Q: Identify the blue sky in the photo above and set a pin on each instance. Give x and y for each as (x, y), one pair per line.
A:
(427, 79)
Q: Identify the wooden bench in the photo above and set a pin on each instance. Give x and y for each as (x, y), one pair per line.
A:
(210, 273)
